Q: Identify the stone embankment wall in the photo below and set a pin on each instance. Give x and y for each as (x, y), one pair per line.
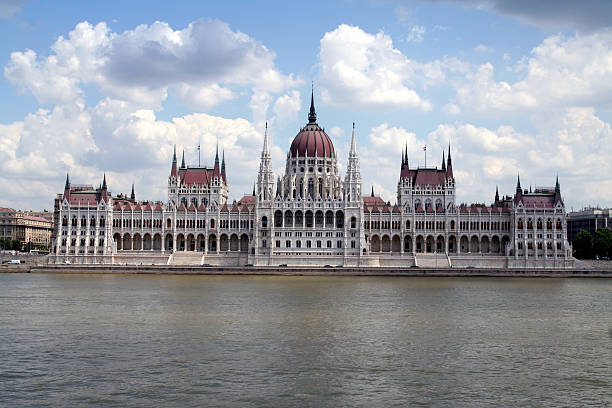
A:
(331, 271)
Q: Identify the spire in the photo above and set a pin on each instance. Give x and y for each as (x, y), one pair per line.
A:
(372, 190)
(312, 116)
(104, 182)
(407, 164)
(183, 161)
(518, 185)
(557, 191)
(223, 166)
(353, 142)
(132, 195)
(443, 161)
(449, 164)
(253, 189)
(174, 156)
(266, 148)
(67, 186)
(403, 159)
(496, 195)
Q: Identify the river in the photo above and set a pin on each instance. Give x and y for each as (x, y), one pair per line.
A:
(273, 341)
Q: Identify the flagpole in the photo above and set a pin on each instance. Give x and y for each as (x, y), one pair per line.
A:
(425, 150)
(199, 165)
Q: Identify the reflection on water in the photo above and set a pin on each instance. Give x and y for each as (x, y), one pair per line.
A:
(132, 341)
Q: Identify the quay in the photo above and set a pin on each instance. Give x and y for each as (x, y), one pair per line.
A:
(310, 271)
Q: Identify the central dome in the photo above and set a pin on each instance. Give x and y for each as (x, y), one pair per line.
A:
(312, 141)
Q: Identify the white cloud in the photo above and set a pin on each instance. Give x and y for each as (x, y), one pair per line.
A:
(142, 64)
(287, 106)
(359, 70)
(560, 72)
(451, 109)
(416, 34)
(483, 48)
(202, 96)
(128, 143)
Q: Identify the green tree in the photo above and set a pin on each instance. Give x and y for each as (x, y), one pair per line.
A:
(602, 243)
(583, 244)
(16, 245)
(5, 243)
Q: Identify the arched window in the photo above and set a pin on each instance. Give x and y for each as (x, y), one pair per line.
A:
(168, 223)
(353, 222)
(264, 223)
(452, 225)
(407, 224)
(529, 224)
(339, 219)
(64, 221)
(519, 224)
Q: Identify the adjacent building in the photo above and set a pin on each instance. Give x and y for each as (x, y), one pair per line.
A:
(32, 229)
(311, 216)
(589, 219)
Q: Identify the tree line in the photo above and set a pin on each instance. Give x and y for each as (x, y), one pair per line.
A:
(593, 246)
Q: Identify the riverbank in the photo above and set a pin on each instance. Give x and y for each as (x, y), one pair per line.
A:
(308, 271)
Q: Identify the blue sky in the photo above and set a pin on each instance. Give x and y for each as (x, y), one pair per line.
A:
(515, 87)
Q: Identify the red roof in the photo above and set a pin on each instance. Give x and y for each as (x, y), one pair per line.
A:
(312, 141)
(248, 199)
(33, 218)
(539, 201)
(201, 207)
(373, 201)
(197, 176)
(7, 209)
(158, 207)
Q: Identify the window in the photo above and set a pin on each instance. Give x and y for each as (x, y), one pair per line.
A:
(339, 244)
(278, 243)
(298, 244)
(288, 243)
(264, 222)
(352, 244)
(329, 244)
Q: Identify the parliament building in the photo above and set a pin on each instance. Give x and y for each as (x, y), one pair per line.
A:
(311, 216)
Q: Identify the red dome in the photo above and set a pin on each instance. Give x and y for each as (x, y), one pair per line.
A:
(312, 141)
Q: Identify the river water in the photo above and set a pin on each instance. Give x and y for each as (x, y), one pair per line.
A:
(236, 341)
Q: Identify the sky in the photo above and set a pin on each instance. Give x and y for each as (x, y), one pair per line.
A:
(516, 87)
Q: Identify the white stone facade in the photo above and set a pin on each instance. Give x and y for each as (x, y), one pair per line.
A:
(310, 216)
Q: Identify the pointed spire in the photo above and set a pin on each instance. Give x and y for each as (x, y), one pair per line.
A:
(372, 190)
(67, 186)
(132, 195)
(266, 147)
(353, 142)
(174, 156)
(496, 195)
(312, 115)
(449, 164)
(518, 184)
(253, 189)
(557, 190)
(403, 159)
(183, 161)
(530, 189)
(217, 155)
(223, 167)
(407, 163)
(443, 161)
(104, 182)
